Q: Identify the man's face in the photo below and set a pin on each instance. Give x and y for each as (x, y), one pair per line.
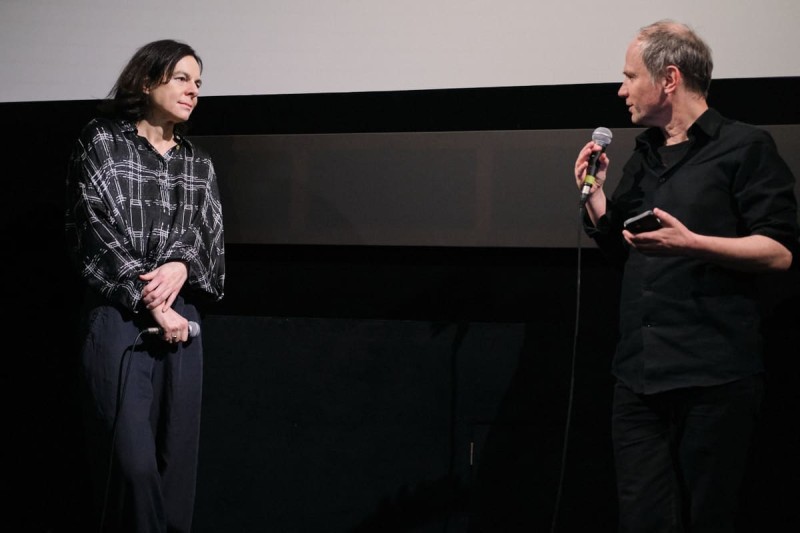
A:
(644, 97)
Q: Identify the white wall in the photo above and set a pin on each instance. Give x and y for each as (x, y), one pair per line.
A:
(74, 49)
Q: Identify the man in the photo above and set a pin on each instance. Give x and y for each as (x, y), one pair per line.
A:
(688, 364)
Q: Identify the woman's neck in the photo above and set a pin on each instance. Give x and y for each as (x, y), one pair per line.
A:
(161, 136)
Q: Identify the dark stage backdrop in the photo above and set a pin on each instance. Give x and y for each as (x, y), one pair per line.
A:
(395, 348)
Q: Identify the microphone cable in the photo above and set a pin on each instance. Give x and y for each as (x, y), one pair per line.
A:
(120, 400)
(571, 394)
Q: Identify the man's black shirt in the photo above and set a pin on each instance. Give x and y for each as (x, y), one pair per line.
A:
(683, 321)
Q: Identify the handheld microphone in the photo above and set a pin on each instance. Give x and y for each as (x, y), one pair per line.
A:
(601, 136)
(194, 330)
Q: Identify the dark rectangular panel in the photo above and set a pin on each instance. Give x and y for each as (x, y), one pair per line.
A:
(466, 189)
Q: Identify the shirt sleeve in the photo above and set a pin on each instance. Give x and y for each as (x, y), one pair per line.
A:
(763, 189)
(607, 234)
(202, 244)
(96, 233)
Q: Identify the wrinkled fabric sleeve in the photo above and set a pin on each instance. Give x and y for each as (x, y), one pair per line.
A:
(96, 233)
(202, 245)
(607, 234)
(763, 188)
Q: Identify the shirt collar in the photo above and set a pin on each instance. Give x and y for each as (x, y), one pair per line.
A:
(707, 125)
(128, 126)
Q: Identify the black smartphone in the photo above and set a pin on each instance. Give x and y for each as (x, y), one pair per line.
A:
(643, 222)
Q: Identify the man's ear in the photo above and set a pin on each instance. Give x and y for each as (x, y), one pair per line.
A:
(672, 79)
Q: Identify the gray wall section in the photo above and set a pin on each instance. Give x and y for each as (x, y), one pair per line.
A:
(481, 189)
(49, 48)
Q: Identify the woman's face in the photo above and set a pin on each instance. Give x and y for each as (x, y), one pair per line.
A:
(175, 99)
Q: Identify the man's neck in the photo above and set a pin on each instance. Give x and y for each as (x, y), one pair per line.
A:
(684, 114)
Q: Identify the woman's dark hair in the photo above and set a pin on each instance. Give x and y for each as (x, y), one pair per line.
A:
(151, 66)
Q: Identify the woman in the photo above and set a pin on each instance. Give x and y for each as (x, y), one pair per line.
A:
(144, 228)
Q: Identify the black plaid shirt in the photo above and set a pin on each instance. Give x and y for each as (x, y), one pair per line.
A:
(130, 210)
